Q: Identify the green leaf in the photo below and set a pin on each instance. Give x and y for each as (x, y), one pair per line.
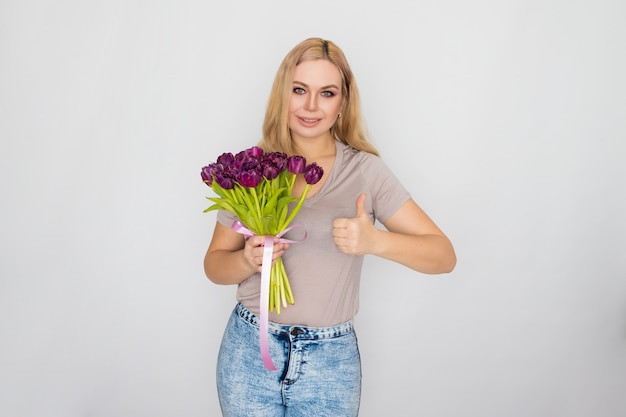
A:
(213, 208)
(270, 225)
(271, 204)
(254, 223)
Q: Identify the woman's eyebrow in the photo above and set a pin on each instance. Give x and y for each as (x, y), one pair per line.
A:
(323, 88)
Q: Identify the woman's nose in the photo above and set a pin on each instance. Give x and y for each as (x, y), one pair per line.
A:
(311, 102)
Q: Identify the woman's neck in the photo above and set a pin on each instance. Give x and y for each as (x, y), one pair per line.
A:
(321, 152)
(316, 149)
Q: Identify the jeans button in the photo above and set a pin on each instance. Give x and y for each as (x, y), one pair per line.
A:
(296, 331)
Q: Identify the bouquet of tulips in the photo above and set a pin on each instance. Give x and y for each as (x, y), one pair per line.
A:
(256, 186)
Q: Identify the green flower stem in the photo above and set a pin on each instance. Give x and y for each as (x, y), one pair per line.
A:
(280, 290)
(291, 182)
(289, 294)
(277, 295)
(281, 279)
(236, 194)
(256, 202)
(271, 305)
(296, 209)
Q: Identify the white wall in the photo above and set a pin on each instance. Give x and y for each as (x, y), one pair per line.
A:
(505, 119)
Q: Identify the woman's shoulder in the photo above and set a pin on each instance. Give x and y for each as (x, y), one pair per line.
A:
(368, 164)
(352, 155)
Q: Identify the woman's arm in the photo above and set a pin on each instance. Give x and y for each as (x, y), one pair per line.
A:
(230, 259)
(411, 239)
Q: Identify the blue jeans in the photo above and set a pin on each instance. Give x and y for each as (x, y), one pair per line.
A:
(319, 370)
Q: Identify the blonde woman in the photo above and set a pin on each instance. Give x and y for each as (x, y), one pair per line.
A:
(314, 111)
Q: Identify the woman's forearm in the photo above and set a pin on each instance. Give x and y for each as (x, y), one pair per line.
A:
(429, 254)
(227, 267)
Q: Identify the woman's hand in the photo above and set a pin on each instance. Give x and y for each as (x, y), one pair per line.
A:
(230, 259)
(411, 239)
(355, 236)
(254, 249)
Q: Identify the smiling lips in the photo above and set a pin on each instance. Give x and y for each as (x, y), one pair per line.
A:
(309, 121)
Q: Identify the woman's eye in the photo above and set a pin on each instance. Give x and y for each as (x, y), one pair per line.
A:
(298, 90)
(328, 93)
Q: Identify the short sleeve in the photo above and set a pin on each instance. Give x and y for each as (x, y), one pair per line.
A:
(226, 218)
(388, 193)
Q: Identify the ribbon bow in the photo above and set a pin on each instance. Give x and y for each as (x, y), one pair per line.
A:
(266, 265)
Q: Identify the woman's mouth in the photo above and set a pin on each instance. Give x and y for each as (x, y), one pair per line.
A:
(308, 121)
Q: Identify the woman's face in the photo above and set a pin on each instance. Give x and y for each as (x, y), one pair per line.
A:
(316, 99)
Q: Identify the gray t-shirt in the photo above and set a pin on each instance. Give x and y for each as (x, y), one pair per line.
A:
(325, 282)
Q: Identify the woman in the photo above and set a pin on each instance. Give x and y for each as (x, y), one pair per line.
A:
(314, 111)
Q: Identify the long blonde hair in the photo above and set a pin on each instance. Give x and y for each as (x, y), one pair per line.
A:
(349, 128)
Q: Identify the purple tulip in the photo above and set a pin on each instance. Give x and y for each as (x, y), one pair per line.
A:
(206, 175)
(224, 181)
(296, 164)
(269, 170)
(250, 178)
(313, 173)
(254, 152)
(280, 161)
(240, 155)
(248, 163)
(244, 162)
(277, 159)
(226, 159)
(216, 169)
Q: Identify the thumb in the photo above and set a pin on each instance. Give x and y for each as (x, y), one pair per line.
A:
(360, 206)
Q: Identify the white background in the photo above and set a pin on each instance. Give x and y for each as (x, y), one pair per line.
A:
(505, 119)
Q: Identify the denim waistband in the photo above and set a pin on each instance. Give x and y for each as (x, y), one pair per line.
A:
(303, 332)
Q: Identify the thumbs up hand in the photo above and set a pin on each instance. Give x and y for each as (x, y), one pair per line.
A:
(355, 236)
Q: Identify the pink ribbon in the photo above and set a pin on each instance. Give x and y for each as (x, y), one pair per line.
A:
(266, 268)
